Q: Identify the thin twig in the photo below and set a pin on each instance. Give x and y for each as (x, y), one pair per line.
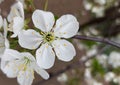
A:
(102, 40)
(46, 5)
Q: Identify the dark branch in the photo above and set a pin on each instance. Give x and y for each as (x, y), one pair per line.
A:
(102, 40)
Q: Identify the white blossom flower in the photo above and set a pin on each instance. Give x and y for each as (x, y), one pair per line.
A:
(114, 59)
(109, 76)
(50, 38)
(4, 43)
(21, 65)
(23, 2)
(87, 5)
(16, 11)
(102, 59)
(99, 11)
(101, 2)
(89, 79)
(91, 52)
(117, 80)
(88, 73)
(62, 78)
(16, 18)
(96, 6)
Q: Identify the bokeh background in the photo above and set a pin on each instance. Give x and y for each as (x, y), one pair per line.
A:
(106, 26)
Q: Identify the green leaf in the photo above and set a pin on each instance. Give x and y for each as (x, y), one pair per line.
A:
(113, 83)
(97, 68)
(56, 17)
(73, 81)
(111, 49)
(89, 43)
(117, 70)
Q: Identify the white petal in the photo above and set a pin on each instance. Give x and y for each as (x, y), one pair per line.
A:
(29, 39)
(1, 21)
(66, 26)
(65, 51)
(41, 72)
(2, 44)
(28, 55)
(101, 2)
(16, 10)
(10, 55)
(10, 69)
(25, 77)
(43, 20)
(23, 2)
(45, 56)
(7, 45)
(5, 26)
(18, 24)
(20, 8)
(3, 64)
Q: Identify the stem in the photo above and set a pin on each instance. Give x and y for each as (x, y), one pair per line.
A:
(46, 5)
(102, 40)
(30, 5)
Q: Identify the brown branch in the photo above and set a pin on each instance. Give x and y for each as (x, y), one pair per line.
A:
(102, 40)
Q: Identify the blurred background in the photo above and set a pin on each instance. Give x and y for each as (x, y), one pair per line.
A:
(95, 63)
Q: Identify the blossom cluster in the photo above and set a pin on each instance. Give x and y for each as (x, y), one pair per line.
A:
(46, 40)
(108, 69)
(98, 7)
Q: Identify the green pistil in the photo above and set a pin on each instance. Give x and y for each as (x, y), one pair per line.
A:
(24, 65)
(49, 37)
(27, 61)
(42, 33)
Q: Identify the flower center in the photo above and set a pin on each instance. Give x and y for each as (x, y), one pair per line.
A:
(24, 65)
(49, 37)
